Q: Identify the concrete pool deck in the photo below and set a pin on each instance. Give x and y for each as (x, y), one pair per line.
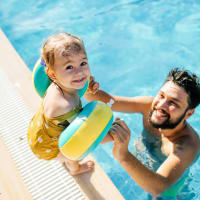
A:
(17, 180)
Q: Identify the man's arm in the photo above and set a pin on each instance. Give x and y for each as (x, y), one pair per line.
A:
(153, 182)
(122, 104)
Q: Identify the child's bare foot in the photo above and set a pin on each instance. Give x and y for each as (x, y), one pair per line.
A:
(76, 167)
(81, 168)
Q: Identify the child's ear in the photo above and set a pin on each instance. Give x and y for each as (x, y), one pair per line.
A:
(50, 73)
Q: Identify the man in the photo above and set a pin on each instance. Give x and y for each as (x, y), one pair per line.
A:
(164, 117)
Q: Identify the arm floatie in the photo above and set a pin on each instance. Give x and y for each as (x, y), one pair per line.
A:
(41, 81)
(87, 130)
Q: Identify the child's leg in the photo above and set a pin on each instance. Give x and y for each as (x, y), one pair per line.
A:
(76, 167)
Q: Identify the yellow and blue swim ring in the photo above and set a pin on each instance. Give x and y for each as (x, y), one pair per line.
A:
(86, 131)
(41, 81)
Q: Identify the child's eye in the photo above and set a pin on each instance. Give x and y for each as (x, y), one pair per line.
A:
(83, 63)
(69, 67)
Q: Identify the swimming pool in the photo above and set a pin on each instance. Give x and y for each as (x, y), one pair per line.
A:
(135, 42)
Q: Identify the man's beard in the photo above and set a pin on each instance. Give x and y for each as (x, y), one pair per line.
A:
(166, 124)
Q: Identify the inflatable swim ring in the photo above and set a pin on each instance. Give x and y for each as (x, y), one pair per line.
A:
(86, 131)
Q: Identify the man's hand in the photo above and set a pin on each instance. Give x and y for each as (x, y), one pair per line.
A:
(93, 86)
(121, 136)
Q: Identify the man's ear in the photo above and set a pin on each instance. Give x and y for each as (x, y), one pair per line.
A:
(189, 113)
(50, 73)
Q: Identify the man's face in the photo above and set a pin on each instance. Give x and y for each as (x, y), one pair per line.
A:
(169, 107)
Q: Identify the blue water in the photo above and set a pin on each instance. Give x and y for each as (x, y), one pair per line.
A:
(131, 45)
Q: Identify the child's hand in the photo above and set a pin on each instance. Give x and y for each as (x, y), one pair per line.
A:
(93, 86)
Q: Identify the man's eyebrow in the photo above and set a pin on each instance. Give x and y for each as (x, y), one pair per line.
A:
(173, 98)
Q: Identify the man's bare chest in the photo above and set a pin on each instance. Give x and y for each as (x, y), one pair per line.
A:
(166, 146)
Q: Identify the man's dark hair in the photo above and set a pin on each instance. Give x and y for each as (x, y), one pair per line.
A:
(189, 82)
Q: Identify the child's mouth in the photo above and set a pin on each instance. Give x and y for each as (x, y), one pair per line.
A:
(79, 80)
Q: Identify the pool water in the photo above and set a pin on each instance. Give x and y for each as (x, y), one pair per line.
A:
(131, 46)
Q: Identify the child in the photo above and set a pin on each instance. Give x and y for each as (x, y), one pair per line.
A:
(67, 66)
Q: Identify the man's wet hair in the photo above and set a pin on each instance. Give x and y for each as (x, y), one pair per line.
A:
(189, 82)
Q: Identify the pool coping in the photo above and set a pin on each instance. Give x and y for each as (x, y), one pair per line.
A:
(96, 185)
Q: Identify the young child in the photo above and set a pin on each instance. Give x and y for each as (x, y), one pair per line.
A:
(67, 66)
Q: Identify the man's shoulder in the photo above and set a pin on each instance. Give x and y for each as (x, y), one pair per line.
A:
(188, 146)
(192, 138)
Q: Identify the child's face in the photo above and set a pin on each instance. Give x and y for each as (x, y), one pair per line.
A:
(71, 72)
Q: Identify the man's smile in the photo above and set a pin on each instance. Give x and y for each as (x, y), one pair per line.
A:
(159, 113)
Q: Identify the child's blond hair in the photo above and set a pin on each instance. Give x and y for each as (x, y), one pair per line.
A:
(64, 44)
